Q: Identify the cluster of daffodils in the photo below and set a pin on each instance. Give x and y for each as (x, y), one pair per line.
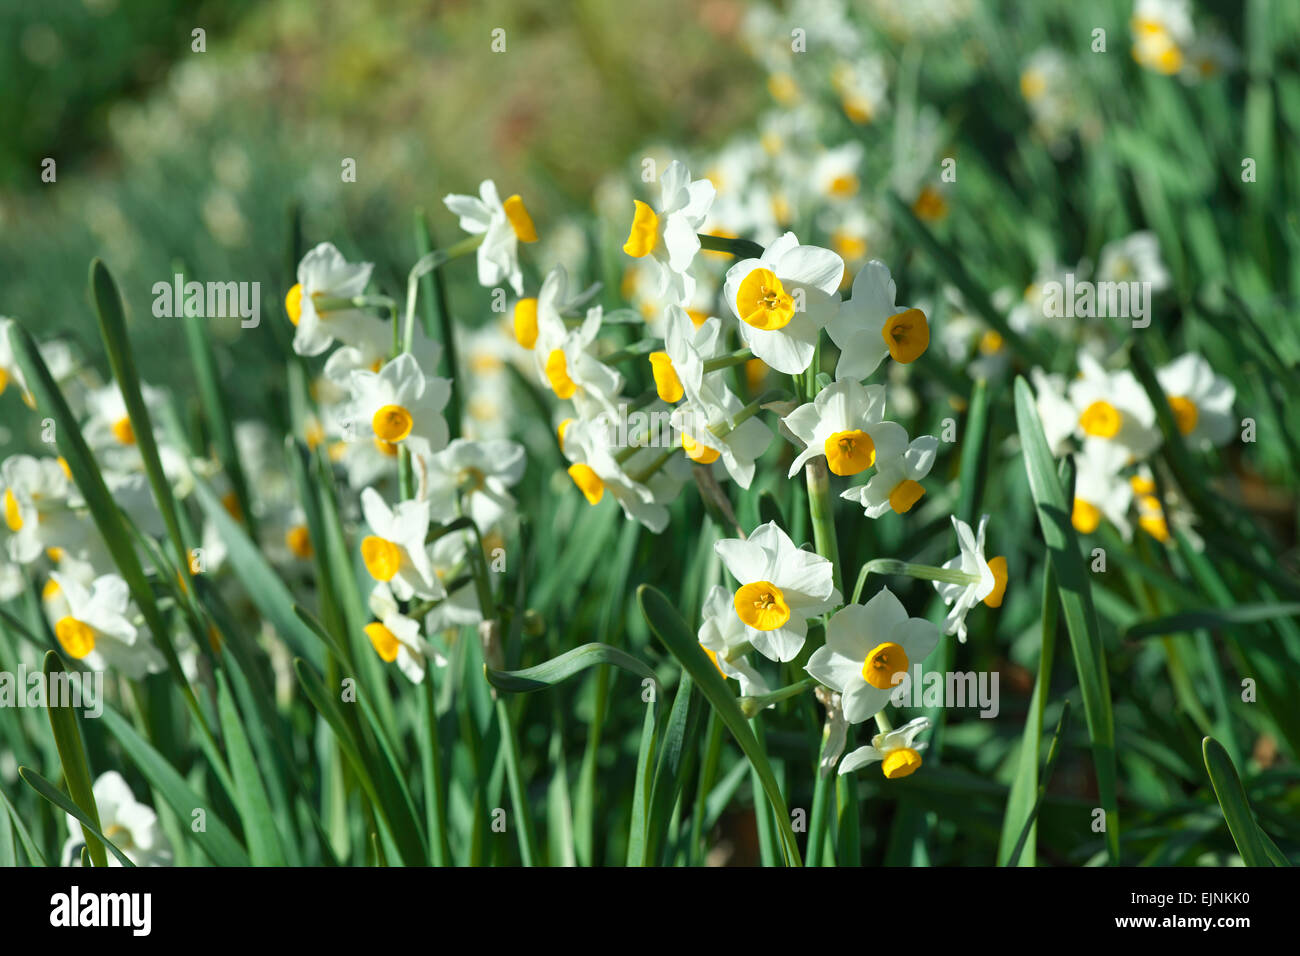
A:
(1166, 41)
(1108, 417)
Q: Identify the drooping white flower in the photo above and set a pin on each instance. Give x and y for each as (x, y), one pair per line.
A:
(896, 485)
(679, 368)
(503, 225)
(870, 326)
(324, 274)
(1100, 490)
(542, 317)
(394, 636)
(474, 475)
(1200, 400)
(668, 239)
(394, 551)
(569, 366)
(784, 299)
(131, 826)
(721, 633)
(990, 582)
(399, 403)
(96, 627)
(868, 648)
(846, 424)
(896, 751)
(711, 430)
(781, 587)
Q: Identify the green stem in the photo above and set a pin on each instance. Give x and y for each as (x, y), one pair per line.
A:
(738, 357)
(822, 512)
(753, 706)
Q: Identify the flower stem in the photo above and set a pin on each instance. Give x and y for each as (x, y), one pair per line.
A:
(821, 511)
(738, 357)
(753, 706)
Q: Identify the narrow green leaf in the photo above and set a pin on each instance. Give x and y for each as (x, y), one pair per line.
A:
(34, 855)
(1013, 858)
(1075, 589)
(253, 804)
(1236, 807)
(559, 669)
(72, 756)
(89, 827)
(636, 838)
(1213, 618)
(673, 633)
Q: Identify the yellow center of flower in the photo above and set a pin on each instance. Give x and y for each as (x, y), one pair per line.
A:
(848, 453)
(859, 109)
(843, 186)
(293, 303)
(848, 245)
(998, 566)
(1101, 419)
(388, 449)
(1185, 412)
(4, 380)
(930, 205)
(384, 640)
(123, 431)
(526, 322)
(382, 558)
(1032, 84)
(990, 343)
(884, 661)
(644, 235)
(697, 316)
(1085, 516)
(697, 452)
(763, 302)
(55, 554)
(713, 656)
(51, 590)
(63, 466)
(1142, 485)
(13, 514)
(588, 482)
(782, 87)
(1155, 525)
(900, 763)
(520, 221)
(561, 429)
(298, 540)
(392, 423)
(761, 605)
(905, 494)
(667, 384)
(557, 373)
(907, 335)
(77, 637)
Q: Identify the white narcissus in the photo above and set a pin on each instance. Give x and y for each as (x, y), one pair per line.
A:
(668, 239)
(131, 826)
(708, 433)
(869, 647)
(781, 587)
(503, 226)
(784, 299)
(869, 326)
(400, 404)
(1099, 489)
(394, 551)
(36, 508)
(896, 485)
(991, 578)
(1112, 406)
(1135, 258)
(679, 368)
(394, 636)
(896, 750)
(1200, 400)
(567, 365)
(721, 633)
(846, 424)
(95, 627)
(474, 476)
(324, 274)
(1055, 411)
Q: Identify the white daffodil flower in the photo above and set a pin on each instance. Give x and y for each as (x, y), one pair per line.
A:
(474, 476)
(711, 431)
(1135, 258)
(97, 630)
(1055, 411)
(58, 359)
(988, 578)
(721, 634)
(371, 357)
(399, 403)
(394, 551)
(781, 586)
(109, 425)
(542, 318)
(568, 366)
(324, 274)
(679, 369)
(394, 636)
(132, 826)
(36, 508)
(896, 751)
(1113, 406)
(668, 239)
(784, 299)
(1162, 34)
(642, 484)
(1099, 489)
(1200, 400)
(869, 648)
(460, 608)
(835, 171)
(503, 226)
(846, 424)
(870, 326)
(896, 485)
